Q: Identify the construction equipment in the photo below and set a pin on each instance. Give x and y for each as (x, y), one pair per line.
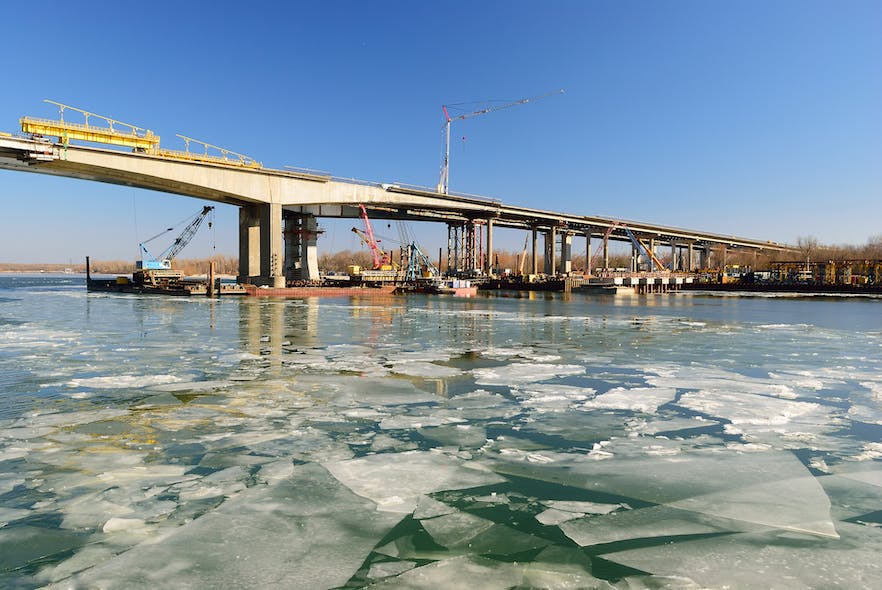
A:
(154, 270)
(523, 258)
(115, 133)
(443, 183)
(655, 263)
(379, 259)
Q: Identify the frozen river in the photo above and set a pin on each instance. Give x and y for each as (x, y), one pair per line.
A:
(671, 441)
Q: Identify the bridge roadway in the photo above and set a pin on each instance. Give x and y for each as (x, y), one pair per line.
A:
(278, 210)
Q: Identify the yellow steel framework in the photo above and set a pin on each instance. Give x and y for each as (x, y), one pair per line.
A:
(115, 133)
(128, 135)
(225, 156)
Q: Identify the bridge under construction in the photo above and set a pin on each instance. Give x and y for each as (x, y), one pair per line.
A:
(279, 208)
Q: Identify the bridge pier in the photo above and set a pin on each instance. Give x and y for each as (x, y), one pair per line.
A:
(588, 252)
(566, 253)
(535, 261)
(550, 237)
(301, 252)
(260, 245)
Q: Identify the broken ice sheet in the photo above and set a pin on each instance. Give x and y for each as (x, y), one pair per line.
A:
(656, 424)
(395, 481)
(480, 573)
(517, 373)
(772, 489)
(426, 370)
(548, 397)
(767, 560)
(637, 399)
(459, 435)
(305, 532)
(643, 523)
(765, 419)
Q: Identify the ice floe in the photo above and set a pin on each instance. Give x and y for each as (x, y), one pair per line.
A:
(518, 373)
(637, 399)
(415, 473)
(304, 532)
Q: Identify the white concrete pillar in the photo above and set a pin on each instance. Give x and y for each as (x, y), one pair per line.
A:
(566, 253)
(550, 237)
(249, 243)
(271, 252)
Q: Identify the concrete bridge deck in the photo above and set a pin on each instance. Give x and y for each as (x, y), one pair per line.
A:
(275, 203)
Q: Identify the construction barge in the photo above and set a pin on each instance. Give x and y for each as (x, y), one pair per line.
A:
(161, 282)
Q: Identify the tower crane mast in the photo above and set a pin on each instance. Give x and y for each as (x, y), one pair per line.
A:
(443, 184)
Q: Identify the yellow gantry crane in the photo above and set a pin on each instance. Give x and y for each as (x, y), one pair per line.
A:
(113, 132)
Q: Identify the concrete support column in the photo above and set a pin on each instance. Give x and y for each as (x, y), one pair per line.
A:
(652, 250)
(675, 262)
(301, 252)
(249, 243)
(725, 256)
(566, 253)
(535, 263)
(605, 253)
(550, 237)
(488, 263)
(588, 269)
(704, 257)
(271, 252)
(690, 263)
(635, 258)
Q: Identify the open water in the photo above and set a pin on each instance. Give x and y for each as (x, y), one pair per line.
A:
(669, 441)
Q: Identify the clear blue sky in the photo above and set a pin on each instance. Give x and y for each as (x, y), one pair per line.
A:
(759, 118)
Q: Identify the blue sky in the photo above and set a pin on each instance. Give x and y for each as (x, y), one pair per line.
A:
(758, 118)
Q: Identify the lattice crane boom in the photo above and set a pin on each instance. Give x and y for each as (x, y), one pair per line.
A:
(443, 184)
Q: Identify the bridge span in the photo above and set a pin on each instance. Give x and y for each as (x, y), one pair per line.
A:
(278, 210)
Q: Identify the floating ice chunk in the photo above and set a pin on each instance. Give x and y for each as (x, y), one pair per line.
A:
(405, 422)
(429, 508)
(455, 529)
(84, 558)
(191, 386)
(459, 435)
(306, 532)
(552, 396)
(771, 489)
(865, 413)
(457, 573)
(116, 524)
(8, 515)
(582, 507)
(518, 373)
(123, 381)
(276, 471)
(396, 481)
(7, 483)
(656, 521)
(385, 569)
(638, 399)
(553, 516)
(767, 560)
(25, 432)
(656, 425)
(425, 370)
